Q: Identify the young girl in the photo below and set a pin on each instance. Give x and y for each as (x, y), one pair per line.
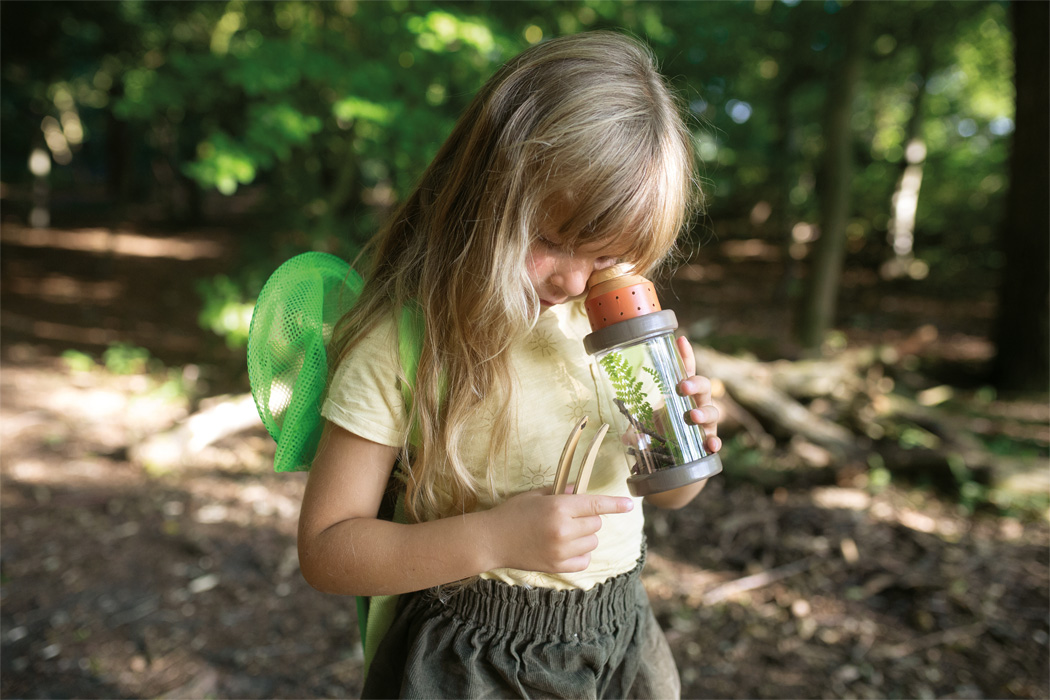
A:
(573, 157)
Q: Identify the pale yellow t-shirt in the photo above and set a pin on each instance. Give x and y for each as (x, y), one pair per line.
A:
(557, 383)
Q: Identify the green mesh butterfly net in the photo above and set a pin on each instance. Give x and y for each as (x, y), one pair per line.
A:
(291, 327)
(292, 324)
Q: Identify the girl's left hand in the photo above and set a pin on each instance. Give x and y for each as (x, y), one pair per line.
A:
(706, 415)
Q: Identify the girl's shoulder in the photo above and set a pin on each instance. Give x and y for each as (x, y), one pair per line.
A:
(364, 394)
(373, 353)
(380, 336)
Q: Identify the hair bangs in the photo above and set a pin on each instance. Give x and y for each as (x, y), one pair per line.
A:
(637, 208)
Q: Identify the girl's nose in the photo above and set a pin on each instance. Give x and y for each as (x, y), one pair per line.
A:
(572, 275)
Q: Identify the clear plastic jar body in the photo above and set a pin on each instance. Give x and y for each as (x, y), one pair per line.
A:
(645, 377)
(632, 340)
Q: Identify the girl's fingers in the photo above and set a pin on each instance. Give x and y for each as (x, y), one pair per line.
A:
(697, 387)
(602, 505)
(706, 414)
(685, 349)
(706, 417)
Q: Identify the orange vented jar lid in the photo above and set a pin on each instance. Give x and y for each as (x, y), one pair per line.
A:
(623, 309)
(616, 294)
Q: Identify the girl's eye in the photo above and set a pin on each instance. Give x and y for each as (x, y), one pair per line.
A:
(605, 261)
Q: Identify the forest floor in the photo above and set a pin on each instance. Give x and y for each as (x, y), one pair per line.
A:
(119, 581)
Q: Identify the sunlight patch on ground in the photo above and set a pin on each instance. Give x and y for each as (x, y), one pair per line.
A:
(146, 334)
(63, 289)
(835, 497)
(666, 578)
(106, 411)
(947, 526)
(102, 240)
(255, 498)
(700, 273)
(753, 248)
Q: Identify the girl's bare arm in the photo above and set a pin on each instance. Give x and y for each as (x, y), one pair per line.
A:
(344, 548)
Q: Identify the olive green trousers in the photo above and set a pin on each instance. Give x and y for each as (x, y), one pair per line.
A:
(491, 640)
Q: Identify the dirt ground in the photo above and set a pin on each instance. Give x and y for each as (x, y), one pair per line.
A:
(121, 582)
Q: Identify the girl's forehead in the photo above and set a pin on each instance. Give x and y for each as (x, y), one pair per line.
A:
(561, 221)
(612, 247)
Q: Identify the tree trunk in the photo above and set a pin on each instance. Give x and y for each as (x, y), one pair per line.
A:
(905, 202)
(785, 173)
(1022, 332)
(818, 303)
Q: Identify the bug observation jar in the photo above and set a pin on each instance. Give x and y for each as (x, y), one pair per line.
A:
(632, 340)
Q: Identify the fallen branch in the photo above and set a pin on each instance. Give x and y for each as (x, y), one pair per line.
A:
(1017, 475)
(734, 412)
(224, 416)
(750, 385)
(759, 580)
(936, 639)
(808, 379)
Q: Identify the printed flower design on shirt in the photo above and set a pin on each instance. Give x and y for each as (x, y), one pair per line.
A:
(532, 578)
(576, 409)
(542, 343)
(538, 476)
(485, 419)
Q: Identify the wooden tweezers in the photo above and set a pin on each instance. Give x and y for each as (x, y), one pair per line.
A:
(561, 477)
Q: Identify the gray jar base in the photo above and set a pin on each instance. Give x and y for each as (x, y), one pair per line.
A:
(674, 477)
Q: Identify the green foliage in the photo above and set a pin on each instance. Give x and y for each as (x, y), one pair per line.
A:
(226, 311)
(628, 389)
(123, 358)
(657, 379)
(325, 114)
(1007, 446)
(293, 90)
(78, 361)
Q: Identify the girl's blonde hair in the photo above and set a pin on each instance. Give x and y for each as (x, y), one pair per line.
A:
(582, 124)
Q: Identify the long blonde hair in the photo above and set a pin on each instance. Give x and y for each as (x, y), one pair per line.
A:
(583, 120)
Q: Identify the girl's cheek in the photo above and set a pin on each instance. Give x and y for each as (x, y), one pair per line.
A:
(538, 268)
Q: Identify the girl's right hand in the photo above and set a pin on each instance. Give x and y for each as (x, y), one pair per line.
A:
(538, 531)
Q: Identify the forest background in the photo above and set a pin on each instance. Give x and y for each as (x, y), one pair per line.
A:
(869, 285)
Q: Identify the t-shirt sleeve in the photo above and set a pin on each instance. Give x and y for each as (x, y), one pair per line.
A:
(364, 396)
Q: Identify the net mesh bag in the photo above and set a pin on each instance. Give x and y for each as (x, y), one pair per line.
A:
(292, 324)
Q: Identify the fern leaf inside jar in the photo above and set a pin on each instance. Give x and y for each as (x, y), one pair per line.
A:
(632, 340)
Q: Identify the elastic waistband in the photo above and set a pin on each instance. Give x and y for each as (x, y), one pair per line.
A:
(548, 612)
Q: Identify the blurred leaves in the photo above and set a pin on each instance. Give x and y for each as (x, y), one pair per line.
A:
(225, 310)
(325, 114)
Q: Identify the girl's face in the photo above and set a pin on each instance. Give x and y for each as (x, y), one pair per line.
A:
(559, 274)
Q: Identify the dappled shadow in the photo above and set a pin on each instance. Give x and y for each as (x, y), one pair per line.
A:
(118, 582)
(91, 288)
(840, 592)
(122, 583)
